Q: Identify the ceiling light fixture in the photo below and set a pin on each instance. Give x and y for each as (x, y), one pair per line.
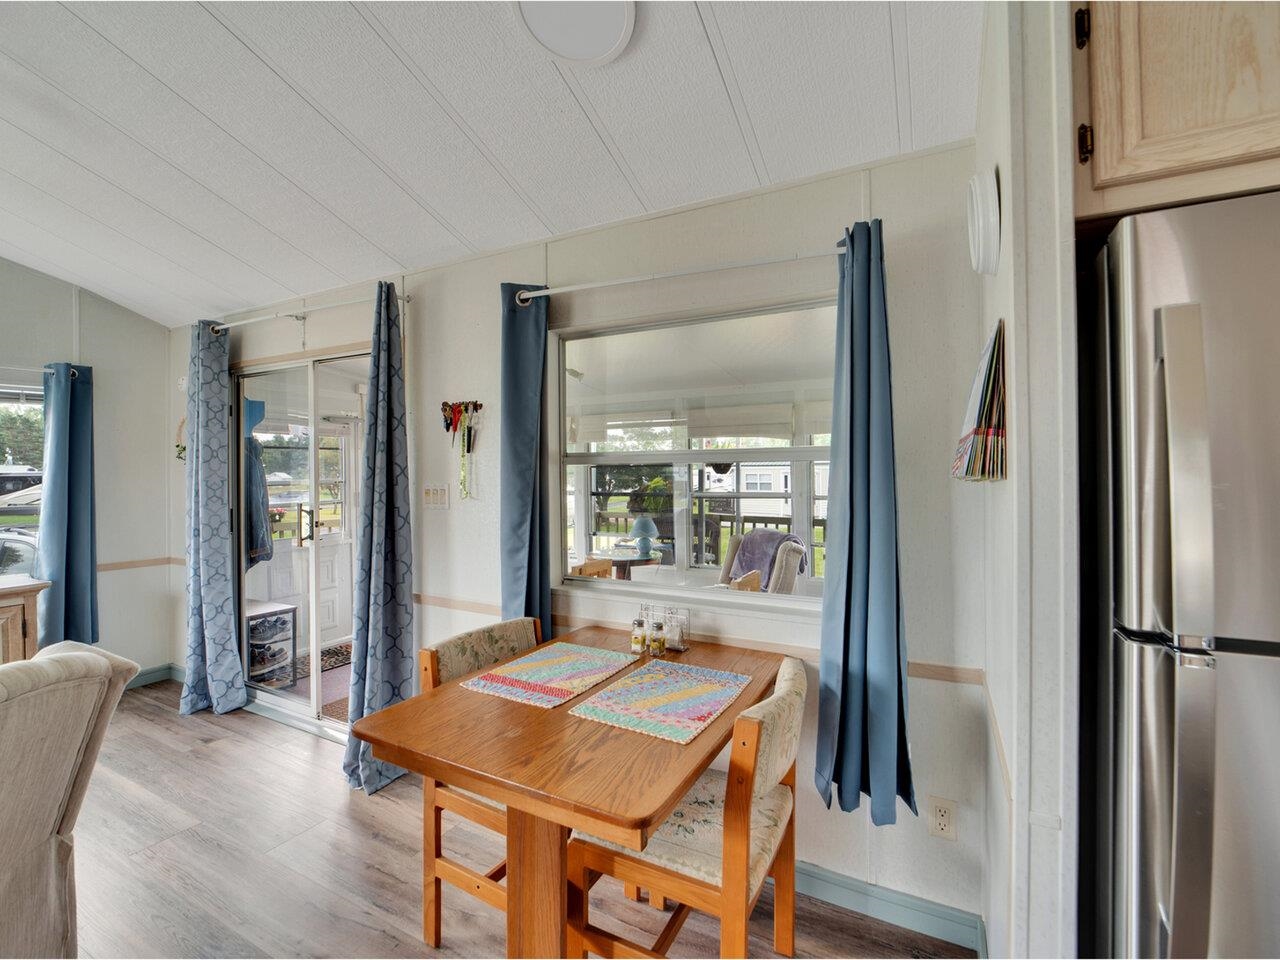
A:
(585, 33)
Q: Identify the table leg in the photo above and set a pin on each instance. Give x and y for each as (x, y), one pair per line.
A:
(537, 885)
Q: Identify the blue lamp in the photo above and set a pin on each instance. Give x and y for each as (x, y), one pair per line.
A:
(644, 530)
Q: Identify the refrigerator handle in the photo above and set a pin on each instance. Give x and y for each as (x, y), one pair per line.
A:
(1179, 340)
(1185, 910)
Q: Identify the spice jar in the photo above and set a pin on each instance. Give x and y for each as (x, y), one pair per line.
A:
(658, 639)
(637, 635)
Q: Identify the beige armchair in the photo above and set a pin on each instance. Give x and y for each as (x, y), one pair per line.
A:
(786, 565)
(54, 710)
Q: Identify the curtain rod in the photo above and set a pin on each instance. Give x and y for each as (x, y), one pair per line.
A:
(523, 297)
(303, 313)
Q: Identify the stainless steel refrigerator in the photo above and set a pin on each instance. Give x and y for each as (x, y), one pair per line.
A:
(1188, 671)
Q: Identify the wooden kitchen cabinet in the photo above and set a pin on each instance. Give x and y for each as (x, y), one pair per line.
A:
(1182, 101)
(18, 617)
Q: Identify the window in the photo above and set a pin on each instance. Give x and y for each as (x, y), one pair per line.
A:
(284, 457)
(693, 434)
(21, 475)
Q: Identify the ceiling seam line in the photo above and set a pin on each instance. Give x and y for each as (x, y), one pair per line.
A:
(165, 160)
(605, 138)
(384, 33)
(899, 51)
(97, 256)
(146, 203)
(232, 137)
(116, 230)
(314, 104)
(729, 79)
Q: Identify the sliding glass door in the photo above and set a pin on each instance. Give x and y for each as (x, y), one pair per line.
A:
(301, 430)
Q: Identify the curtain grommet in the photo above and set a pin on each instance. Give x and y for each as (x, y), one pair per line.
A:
(522, 298)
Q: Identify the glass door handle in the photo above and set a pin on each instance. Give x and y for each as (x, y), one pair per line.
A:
(307, 532)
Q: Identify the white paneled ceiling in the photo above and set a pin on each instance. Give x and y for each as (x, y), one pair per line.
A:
(192, 159)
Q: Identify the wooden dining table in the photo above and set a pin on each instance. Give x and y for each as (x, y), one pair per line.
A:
(556, 772)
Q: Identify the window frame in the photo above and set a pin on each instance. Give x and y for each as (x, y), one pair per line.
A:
(557, 460)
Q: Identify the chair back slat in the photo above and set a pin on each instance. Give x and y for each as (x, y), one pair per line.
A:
(780, 716)
(476, 649)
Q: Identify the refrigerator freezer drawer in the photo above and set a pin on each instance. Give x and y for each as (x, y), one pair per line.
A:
(1245, 914)
(1187, 878)
(1141, 829)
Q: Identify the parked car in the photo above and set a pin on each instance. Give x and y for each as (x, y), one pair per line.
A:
(17, 551)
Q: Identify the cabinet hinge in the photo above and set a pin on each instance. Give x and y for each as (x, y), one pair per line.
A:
(1082, 28)
(1084, 142)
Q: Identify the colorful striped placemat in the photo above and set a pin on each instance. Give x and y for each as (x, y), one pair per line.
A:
(551, 674)
(671, 701)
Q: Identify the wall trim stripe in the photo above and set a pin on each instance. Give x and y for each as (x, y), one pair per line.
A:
(453, 603)
(956, 926)
(923, 670)
(136, 564)
(919, 669)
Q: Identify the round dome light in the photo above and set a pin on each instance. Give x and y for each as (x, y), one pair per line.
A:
(588, 32)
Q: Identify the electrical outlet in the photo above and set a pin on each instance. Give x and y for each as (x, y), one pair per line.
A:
(437, 496)
(942, 818)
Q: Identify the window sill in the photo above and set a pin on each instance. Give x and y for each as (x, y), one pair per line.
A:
(788, 610)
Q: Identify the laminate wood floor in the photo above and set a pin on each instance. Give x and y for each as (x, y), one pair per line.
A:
(213, 836)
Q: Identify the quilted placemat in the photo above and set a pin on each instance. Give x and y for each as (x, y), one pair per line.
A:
(551, 674)
(671, 701)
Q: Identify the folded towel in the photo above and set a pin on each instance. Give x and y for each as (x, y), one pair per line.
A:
(758, 550)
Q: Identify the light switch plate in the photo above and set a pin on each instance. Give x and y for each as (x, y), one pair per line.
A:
(437, 496)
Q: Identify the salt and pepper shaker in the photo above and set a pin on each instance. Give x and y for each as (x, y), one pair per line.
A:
(657, 640)
(638, 640)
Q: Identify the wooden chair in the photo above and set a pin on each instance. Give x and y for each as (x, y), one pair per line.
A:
(593, 568)
(715, 850)
(786, 565)
(457, 657)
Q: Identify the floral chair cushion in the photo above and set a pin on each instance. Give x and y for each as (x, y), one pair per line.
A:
(691, 841)
(468, 652)
(780, 717)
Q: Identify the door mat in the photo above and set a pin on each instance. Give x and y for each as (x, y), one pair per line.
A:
(331, 658)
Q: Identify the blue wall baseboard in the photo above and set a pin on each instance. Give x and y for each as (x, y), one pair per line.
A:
(166, 671)
(915, 913)
(960, 927)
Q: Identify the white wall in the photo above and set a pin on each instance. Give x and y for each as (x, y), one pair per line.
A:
(44, 320)
(1031, 564)
(933, 300)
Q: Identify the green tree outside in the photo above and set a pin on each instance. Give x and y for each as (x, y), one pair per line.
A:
(22, 434)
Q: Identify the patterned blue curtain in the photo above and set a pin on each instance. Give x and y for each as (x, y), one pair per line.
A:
(382, 648)
(526, 566)
(862, 697)
(214, 675)
(67, 555)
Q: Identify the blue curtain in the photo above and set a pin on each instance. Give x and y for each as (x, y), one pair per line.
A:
(862, 696)
(526, 566)
(382, 651)
(214, 674)
(258, 545)
(67, 555)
